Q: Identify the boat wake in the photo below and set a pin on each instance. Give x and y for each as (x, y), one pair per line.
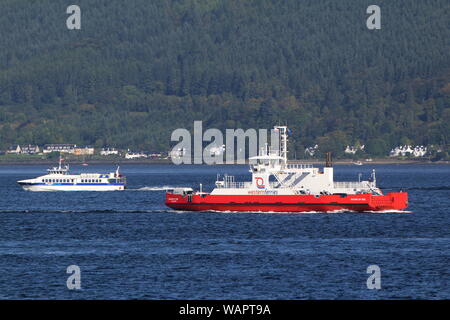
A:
(164, 188)
(436, 188)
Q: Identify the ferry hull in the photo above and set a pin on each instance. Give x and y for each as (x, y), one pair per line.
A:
(288, 203)
(43, 187)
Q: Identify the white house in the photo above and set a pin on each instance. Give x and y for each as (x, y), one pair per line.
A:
(417, 151)
(67, 148)
(135, 155)
(180, 152)
(30, 149)
(217, 150)
(16, 149)
(109, 151)
(353, 150)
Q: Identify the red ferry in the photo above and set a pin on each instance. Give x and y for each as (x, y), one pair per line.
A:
(295, 188)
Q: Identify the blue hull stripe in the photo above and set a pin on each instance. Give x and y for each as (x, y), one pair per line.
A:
(71, 184)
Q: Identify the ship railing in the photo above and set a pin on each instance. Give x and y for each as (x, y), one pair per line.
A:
(350, 185)
(234, 185)
(299, 166)
(241, 185)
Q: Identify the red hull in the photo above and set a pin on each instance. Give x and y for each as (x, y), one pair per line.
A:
(288, 203)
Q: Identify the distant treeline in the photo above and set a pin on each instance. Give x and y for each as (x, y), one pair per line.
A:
(139, 69)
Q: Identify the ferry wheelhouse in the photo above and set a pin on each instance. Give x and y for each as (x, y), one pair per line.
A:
(60, 179)
(278, 186)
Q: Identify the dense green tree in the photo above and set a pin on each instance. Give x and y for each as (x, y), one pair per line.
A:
(139, 69)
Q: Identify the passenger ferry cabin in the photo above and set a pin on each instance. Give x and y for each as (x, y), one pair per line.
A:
(60, 179)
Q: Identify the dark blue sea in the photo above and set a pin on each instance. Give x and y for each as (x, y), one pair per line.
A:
(128, 245)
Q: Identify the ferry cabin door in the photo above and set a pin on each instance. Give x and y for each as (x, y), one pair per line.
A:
(189, 197)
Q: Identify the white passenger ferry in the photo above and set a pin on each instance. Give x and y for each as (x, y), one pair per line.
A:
(59, 179)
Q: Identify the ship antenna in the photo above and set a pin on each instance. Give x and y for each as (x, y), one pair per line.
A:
(328, 161)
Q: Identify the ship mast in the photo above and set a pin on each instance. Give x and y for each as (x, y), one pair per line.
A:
(283, 139)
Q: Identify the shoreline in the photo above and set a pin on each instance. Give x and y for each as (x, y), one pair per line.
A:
(4, 162)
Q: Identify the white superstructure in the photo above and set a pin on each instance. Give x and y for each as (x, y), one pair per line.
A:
(271, 174)
(59, 179)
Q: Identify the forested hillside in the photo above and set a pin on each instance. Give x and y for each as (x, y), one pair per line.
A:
(139, 69)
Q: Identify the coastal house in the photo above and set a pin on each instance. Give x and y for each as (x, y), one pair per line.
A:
(135, 155)
(178, 153)
(30, 149)
(417, 151)
(353, 149)
(216, 151)
(83, 151)
(109, 151)
(16, 149)
(156, 155)
(63, 148)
